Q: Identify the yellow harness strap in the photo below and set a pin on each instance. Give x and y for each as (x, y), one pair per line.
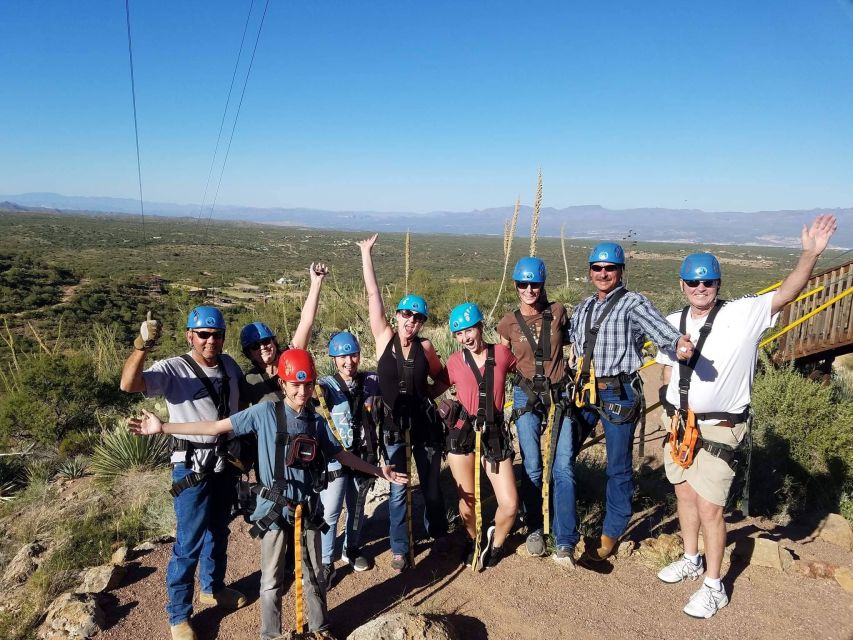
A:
(478, 514)
(589, 389)
(409, 498)
(324, 411)
(546, 473)
(297, 554)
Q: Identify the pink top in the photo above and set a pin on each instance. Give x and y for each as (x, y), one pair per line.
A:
(461, 375)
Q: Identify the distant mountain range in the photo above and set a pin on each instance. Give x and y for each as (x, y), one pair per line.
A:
(764, 228)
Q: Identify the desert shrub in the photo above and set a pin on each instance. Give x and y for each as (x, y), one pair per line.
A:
(803, 443)
(56, 395)
(72, 468)
(121, 452)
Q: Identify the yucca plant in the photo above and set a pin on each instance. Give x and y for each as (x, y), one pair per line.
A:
(72, 468)
(534, 221)
(509, 234)
(39, 470)
(120, 452)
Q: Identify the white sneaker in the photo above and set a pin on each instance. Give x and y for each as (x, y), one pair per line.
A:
(706, 602)
(682, 569)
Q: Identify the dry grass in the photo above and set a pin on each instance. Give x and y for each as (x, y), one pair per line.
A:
(534, 221)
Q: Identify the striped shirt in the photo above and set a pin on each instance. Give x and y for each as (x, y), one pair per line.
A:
(620, 339)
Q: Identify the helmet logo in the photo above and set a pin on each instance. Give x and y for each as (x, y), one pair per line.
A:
(301, 375)
(346, 347)
(210, 322)
(527, 275)
(701, 271)
(603, 255)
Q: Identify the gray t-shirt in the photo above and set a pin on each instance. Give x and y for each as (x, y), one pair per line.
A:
(187, 397)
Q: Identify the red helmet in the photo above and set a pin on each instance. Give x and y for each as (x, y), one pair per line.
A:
(296, 365)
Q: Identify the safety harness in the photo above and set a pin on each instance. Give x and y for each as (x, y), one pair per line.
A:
(405, 376)
(537, 390)
(684, 432)
(301, 451)
(221, 402)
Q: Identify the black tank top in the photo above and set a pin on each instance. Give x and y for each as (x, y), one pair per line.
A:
(389, 388)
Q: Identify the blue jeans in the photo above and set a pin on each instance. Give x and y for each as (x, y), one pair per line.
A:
(202, 513)
(530, 427)
(428, 462)
(343, 488)
(619, 440)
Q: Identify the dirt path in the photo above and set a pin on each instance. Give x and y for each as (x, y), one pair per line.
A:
(521, 598)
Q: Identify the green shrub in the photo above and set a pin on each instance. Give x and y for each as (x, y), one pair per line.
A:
(121, 452)
(56, 396)
(71, 468)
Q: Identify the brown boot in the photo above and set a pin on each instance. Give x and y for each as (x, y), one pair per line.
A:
(227, 598)
(605, 548)
(183, 631)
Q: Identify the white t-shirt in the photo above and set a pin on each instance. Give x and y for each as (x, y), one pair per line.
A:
(187, 397)
(722, 378)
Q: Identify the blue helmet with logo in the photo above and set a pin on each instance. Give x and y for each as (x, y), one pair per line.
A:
(415, 304)
(254, 332)
(700, 266)
(343, 344)
(205, 318)
(464, 316)
(529, 269)
(607, 252)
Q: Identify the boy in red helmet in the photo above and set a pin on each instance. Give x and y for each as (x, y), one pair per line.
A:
(293, 446)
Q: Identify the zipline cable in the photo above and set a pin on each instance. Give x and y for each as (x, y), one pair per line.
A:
(135, 123)
(236, 117)
(225, 111)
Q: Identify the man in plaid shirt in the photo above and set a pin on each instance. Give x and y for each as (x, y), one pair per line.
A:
(611, 359)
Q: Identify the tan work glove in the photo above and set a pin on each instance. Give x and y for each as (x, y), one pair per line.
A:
(149, 333)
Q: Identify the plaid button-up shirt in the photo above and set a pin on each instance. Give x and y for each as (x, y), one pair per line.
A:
(620, 339)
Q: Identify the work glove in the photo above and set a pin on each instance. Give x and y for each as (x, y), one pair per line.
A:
(149, 333)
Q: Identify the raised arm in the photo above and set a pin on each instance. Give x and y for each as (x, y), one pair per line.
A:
(302, 335)
(379, 327)
(149, 424)
(814, 240)
(131, 373)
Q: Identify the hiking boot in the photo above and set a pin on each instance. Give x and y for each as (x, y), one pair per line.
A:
(183, 631)
(227, 598)
(706, 602)
(329, 573)
(495, 556)
(681, 569)
(564, 556)
(536, 543)
(605, 548)
(399, 561)
(487, 547)
(354, 558)
(468, 552)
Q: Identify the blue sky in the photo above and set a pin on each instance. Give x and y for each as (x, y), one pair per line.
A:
(395, 105)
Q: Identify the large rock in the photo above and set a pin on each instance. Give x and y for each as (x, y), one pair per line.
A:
(72, 616)
(836, 530)
(660, 551)
(100, 579)
(844, 577)
(22, 566)
(405, 626)
(763, 552)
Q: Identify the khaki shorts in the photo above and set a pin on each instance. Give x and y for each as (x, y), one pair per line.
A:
(709, 476)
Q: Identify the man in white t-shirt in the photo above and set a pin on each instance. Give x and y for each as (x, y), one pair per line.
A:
(720, 386)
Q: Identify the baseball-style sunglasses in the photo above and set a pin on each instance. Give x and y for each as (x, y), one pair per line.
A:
(408, 313)
(260, 343)
(206, 335)
(609, 268)
(708, 283)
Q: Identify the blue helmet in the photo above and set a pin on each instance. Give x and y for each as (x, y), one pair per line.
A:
(464, 316)
(414, 303)
(343, 344)
(700, 266)
(529, 269)
(205, 318)
(254, 332)
(607, 252)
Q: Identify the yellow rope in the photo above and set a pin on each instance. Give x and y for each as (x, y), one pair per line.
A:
(409, 498)
(324, 411)
(297, 554)
(478, 514)
(546, 472)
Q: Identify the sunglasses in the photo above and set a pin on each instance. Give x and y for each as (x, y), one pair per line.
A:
(206, 335)
(528, 285)
(708, 283)
(609, 268)
(260, 343)
(406, 313)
